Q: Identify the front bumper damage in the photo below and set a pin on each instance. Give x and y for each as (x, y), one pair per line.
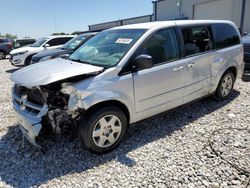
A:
(29, 117)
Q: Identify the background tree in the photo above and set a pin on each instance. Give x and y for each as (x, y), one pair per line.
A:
(9, 36)
(62, 33)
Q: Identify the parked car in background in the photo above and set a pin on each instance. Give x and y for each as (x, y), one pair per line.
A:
(5, 47)
(65, 51)
(124, 75)
(18, 43)
(246, 43)
(23, 55)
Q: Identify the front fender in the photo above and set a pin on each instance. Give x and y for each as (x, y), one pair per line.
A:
(104, 96)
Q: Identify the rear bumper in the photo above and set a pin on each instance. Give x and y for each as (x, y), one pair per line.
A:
(246, 76)
(246, 73)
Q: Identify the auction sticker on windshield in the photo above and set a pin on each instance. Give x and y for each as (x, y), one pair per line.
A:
(123, 41)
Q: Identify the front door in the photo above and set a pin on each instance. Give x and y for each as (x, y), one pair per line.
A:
(161, 87)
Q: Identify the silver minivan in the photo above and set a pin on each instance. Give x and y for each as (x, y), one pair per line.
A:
(124, 75)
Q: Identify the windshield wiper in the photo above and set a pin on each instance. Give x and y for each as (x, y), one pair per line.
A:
(85, 62)
(79, 61)
(63, 48)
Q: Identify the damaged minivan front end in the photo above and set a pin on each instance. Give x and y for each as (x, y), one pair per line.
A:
(51, 105)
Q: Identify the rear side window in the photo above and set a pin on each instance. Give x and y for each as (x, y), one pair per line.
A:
(162, 46)
(63, 40)
(59, 41)
(197, 39)
(225, 36)
(53, 42)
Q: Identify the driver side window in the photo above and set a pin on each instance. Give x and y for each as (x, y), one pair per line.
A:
(162, 46)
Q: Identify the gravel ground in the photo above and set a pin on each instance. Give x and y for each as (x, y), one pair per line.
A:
(168, 150)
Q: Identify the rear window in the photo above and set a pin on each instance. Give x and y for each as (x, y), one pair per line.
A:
(225, 36)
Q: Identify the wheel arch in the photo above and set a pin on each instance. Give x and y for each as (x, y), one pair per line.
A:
(231, 68)
(27, 58)
(115, 103)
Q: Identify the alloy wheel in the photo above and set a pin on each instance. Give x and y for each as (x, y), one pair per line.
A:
(226, 85)
(107, 131)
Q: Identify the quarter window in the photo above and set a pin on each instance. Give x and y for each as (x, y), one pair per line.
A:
(162, 46)
(225, 36)
(196, 40)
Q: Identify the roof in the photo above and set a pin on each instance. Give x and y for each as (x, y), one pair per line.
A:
(88, 34)
(61, 36)
(150, 25)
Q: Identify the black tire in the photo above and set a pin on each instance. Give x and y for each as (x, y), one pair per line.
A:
(87, 125)
(2, 55)
(220, 93)
(28, 60)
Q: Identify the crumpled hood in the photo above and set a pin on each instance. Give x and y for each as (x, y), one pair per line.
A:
(51, 71)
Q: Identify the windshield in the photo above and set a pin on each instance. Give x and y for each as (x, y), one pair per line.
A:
(73, 43)
(39, 42)
(108, 47)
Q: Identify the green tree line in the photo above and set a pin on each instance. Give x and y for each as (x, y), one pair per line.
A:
(9, 36)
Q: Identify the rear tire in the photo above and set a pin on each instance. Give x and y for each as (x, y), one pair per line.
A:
(103, 130)
(225, 86)
(2, 55)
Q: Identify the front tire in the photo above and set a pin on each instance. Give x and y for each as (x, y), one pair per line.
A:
(225, 86)
(2, 55)
(103, 130)
(28, 61)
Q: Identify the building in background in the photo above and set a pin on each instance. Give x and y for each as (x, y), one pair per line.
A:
(106, 25)
(234, 10)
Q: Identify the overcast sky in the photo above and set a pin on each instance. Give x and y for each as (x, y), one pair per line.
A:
(35, 18)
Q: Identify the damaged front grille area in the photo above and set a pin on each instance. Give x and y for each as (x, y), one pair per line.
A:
(28, 114)
(42, 109)
(34, 95)
(29, 100)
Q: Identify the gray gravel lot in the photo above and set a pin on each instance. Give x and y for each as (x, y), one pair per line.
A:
(168, 150)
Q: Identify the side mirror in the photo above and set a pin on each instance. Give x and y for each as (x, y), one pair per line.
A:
(142, 62)
(46, 45)
(245, 33)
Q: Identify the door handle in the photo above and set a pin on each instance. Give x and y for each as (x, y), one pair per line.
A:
(191, 65)
(178, 68)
